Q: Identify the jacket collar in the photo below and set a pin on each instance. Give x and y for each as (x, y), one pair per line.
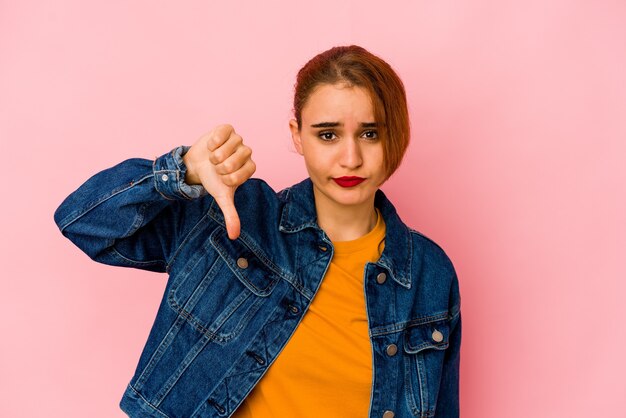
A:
(299, 213)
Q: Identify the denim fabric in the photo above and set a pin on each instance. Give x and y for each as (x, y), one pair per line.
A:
(230, 306)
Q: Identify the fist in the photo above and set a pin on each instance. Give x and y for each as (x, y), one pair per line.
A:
(220, 162)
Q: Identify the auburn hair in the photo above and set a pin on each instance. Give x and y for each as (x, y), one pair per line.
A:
(355, 66)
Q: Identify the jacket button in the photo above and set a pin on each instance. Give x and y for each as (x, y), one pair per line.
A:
(392, 349)
(389, 414)
(294, 309)
(164, 177)
(437, 336)
(242, 262)
(381, 278)
(323, 248)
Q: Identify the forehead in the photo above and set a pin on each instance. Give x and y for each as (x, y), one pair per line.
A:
(339, 101)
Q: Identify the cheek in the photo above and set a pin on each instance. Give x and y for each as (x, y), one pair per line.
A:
(376, 155)
(311, 160)
(314, 155)
(314, 163)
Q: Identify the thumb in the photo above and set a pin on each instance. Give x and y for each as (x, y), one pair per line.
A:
(231, 218)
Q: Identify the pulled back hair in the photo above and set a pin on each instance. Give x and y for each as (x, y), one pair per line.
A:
(355, 66)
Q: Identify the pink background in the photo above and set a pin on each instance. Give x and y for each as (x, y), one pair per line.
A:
(516, 168)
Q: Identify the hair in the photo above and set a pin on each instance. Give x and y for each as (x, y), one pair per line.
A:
(355, 66)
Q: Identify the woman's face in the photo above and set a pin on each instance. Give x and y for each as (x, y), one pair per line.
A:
(339, 138)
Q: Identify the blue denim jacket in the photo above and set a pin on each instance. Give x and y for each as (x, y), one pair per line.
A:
(230, 306)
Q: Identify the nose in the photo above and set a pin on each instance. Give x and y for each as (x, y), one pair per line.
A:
(351, 154)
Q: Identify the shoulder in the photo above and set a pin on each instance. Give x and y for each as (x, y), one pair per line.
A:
(255, 185)
(425, 248)
(435, 269)
(254, 192)
(255, 199)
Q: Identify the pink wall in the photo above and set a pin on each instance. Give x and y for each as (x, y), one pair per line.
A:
(516, 169)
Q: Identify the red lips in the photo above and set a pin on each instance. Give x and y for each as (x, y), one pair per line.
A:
(348, 181)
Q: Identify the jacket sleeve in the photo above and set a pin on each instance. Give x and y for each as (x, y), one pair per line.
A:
(134, 214)
(448, 398)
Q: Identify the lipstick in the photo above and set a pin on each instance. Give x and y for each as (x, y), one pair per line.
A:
(348, 181)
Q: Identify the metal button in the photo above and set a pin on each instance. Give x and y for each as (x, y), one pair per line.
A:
(389, 414)
(323, 248)
(294, 309)
(392, 349)
(242, 262)
(258, 358)
(381, 278)
(437, 336)
(164, 177)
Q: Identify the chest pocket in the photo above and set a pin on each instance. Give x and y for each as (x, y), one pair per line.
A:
(424, 352)
(223, 288)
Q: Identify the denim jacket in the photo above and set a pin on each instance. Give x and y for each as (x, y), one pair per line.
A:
(230, 306)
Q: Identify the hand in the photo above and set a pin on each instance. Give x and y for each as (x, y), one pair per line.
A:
(221, 162)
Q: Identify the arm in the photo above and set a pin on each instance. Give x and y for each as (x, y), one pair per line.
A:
(448, 399)
(134, 214)
(138, 213)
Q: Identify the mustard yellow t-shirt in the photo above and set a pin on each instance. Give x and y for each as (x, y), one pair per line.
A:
(326, 367)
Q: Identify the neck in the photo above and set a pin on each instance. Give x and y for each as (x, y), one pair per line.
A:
(345, 222)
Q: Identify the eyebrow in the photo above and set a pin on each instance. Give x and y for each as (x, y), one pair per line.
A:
(335, 124)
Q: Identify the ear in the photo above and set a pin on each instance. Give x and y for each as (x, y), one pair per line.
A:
(295, 135)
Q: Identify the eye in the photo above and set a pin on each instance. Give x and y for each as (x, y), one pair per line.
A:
(370, 134)
(327, 136)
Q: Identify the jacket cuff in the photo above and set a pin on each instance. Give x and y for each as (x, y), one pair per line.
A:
(169, 176)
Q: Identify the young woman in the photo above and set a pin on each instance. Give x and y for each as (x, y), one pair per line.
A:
(316, 300)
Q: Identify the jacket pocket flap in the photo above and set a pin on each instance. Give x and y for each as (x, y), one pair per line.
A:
(431, 335)
(244, 263)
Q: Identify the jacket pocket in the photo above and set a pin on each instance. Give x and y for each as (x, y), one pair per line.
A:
(424, 352)
(223, 290)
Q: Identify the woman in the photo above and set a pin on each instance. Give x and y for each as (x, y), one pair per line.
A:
(356, 313)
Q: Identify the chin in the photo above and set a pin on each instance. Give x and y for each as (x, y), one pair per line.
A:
(349, 198)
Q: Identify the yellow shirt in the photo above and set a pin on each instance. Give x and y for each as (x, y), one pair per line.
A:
(326, 367)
